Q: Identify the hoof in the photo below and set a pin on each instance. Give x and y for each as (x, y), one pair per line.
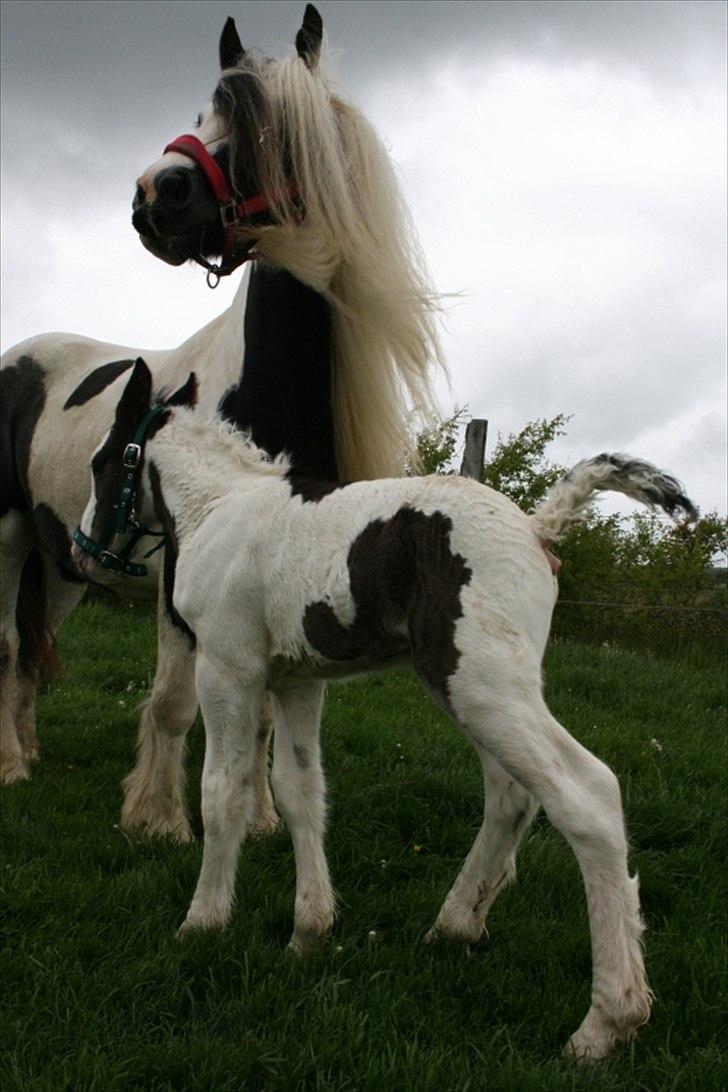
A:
(16, 771)
(301, 945)
(175, 828)
(195, 923)
(466, 940)
(595, 1039)
(303, 942)
(583, 1050)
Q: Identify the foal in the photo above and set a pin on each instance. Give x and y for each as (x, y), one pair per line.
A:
(285, 582)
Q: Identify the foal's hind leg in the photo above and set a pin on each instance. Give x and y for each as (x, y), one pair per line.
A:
(581, 798)
(265, 818)
(15, 544)
(491, 864)
(154, 792)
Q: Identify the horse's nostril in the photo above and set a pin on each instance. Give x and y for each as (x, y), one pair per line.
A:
(175, 185)
(139, 197)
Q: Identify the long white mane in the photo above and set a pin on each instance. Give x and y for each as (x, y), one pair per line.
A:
(357, 247)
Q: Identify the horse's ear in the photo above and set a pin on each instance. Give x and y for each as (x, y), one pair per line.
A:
(136, 399)
(186, 395)
(308, 39)
(231, 48)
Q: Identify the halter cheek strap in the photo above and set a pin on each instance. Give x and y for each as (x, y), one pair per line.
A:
(232, 212)
(123, 517)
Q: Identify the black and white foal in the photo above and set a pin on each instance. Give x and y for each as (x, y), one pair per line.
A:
(286, 582)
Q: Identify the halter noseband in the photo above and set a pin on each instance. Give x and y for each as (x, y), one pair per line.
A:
(124, 514)
(232, 212)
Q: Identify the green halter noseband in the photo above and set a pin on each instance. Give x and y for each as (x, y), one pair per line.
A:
(124, 517)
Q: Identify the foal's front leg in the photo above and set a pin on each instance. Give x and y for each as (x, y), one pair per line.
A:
(231, 710)
(298, 784)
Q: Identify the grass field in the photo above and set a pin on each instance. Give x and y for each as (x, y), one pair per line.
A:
(99, 994)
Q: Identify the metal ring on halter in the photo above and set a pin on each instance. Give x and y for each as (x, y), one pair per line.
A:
(213, 271)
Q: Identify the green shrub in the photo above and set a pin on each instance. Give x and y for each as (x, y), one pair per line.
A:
(636, 580)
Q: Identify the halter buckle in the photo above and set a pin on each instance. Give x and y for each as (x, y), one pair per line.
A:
(132, 455)
(228, 215)
(109, 561)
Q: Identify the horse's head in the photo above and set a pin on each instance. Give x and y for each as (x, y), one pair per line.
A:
(212, 191)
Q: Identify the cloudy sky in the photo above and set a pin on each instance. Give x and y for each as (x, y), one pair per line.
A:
(564, 162)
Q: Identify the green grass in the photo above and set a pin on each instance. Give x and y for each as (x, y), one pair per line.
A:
(99, 994)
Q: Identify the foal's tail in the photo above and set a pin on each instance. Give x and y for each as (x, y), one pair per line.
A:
(568, 500)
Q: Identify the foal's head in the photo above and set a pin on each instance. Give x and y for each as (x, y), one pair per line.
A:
(120, 497)
(244, 130)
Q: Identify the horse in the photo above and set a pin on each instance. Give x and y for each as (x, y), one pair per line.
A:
(326, 351)
(285, 584)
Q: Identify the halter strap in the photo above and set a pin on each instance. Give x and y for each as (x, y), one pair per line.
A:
(232, 212)
(123, 516)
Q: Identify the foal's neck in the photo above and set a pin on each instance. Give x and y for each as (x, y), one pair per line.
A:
(196, 464)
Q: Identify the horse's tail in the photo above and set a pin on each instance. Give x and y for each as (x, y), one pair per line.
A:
(37, 653)
(568, 500)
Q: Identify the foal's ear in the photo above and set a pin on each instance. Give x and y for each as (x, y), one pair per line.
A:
(231, 48)
(308, 39)
(186, 395)
(136, 399)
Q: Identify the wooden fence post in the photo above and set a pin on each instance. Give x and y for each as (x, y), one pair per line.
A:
(474, 453)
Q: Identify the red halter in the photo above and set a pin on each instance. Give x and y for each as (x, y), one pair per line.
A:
(232, 213)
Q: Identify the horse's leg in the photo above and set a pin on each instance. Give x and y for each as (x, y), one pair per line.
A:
(581, 797)
(298, 784)
(62, 596)
(231, 710)
(16, 540)
(265, 819)
(154, 792)
(491, 864)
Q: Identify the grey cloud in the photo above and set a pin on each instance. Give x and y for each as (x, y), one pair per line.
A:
(92, 91)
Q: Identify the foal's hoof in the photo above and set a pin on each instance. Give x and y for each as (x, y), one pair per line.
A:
(14, 771)
(594, 1040)
(437, 935)
(586, 1052)
(302, 944)
(199, 924)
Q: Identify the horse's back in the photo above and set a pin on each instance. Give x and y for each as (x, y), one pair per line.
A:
(56, 403)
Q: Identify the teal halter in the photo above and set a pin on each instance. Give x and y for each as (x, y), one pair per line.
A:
(124, 516)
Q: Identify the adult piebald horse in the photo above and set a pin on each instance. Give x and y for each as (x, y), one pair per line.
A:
(330, 338)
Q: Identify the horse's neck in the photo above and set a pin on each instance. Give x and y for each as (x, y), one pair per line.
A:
(283, 396)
